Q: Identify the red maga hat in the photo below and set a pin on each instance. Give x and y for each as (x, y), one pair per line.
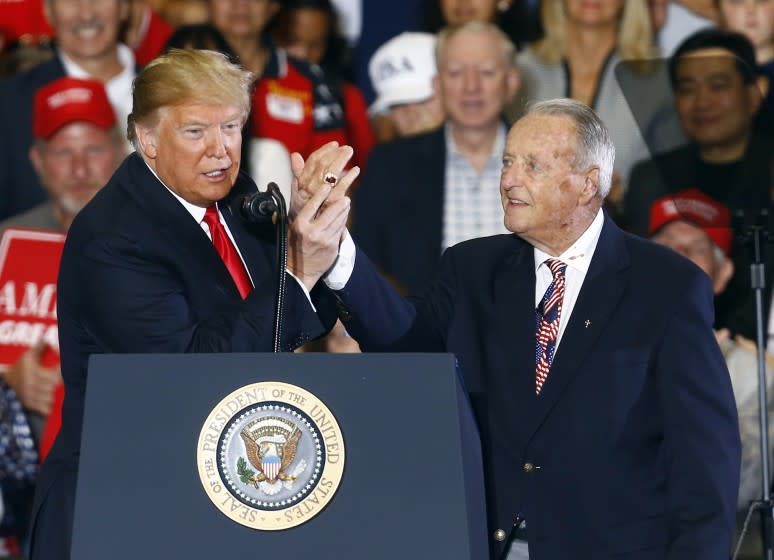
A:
(68, 100)
(697, 208)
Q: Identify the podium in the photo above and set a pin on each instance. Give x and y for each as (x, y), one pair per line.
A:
(411, 484)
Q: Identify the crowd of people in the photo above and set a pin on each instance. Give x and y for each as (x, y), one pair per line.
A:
(453, 121)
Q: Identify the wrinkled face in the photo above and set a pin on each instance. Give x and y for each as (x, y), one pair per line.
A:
(753, 18)
(307, 34)
(474, 81)
(242, 18)
(457, 12)
(690, 241)
(87, 29)
(195, 150)
(594, 12)
(715, 106)
(75, 163)
(541, 188)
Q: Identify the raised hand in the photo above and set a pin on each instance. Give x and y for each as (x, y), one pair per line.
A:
(318, 210)
(32, 382)
(327, 162)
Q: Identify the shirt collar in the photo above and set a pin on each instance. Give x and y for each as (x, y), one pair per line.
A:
(578, 256)
(125, 57)
(197, 212)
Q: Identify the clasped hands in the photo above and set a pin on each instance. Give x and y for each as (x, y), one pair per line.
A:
(319, 209)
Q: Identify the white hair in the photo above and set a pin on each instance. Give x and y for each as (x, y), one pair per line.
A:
(596, 147)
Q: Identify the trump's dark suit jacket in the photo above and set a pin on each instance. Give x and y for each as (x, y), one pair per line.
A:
(138, 274)
(632, 448)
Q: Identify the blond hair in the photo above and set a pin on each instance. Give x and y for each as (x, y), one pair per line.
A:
(635, 34)
(187, 76)
(506, 45)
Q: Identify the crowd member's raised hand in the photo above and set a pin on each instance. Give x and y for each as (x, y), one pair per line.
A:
(33, 382)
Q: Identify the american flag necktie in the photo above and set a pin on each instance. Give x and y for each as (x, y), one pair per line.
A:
(547, 323)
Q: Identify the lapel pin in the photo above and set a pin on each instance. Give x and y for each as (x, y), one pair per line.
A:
(587, 323)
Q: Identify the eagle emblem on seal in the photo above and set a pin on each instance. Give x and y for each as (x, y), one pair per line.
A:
(270, 445)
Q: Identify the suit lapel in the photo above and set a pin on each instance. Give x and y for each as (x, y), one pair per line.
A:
(175, 222)
(514, 298)
(602, 289)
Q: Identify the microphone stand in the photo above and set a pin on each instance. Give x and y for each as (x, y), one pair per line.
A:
(280, 220)
(259, 208)
(754, 236)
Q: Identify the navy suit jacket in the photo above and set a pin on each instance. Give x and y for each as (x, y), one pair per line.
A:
(397, 211)
(632, 448)
(139, 275)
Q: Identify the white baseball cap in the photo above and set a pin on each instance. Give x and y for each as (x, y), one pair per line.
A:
(402, 70)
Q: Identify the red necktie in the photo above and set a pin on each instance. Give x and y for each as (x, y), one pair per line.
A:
(547, 317)
(227, 251)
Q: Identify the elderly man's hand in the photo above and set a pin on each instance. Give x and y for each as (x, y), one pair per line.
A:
(32, 382)
(310, 175)
(318, 210)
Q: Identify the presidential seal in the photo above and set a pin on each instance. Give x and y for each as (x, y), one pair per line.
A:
(270, 456)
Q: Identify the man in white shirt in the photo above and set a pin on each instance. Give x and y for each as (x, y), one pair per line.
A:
(449, 190)
(87, 47)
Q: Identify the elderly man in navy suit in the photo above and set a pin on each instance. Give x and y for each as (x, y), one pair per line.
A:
(605, 408)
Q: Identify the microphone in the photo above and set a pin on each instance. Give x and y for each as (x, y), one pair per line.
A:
(259, 206)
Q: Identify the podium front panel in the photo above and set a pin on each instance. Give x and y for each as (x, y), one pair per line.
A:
(411, 486)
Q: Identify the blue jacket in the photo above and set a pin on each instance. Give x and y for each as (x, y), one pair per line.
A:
(631, 451)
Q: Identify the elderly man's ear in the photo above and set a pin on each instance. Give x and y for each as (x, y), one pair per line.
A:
(590, 189)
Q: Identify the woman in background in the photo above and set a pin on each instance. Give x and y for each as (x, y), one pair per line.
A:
(577, 58)
(308, 31)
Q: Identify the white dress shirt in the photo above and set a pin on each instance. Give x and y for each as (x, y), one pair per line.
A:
(577, 258)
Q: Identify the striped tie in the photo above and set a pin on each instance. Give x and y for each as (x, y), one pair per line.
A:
(547, 323)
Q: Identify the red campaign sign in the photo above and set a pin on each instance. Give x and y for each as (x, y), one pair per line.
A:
(29, 264)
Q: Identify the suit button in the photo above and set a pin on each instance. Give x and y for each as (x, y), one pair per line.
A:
(499, 535)
(529, 467)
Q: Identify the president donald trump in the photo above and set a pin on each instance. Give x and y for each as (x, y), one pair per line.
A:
(606, 413)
